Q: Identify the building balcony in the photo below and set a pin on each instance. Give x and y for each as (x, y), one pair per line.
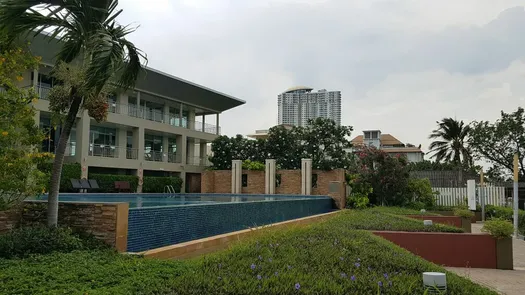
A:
(111, 151)
(43, 92)
(198, 161)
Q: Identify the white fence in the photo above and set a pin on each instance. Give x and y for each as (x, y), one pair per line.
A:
(452, 196)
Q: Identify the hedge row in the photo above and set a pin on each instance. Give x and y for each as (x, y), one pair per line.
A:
(69, 171)
(324, 258)
(106, 182)
(507, 214)
(157, 184)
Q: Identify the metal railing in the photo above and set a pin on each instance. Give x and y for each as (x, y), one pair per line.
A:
(102, 150)
(43, 91)
(198, 161)
(207, 128)
(153, 156)
(174, 158)
(132, 154)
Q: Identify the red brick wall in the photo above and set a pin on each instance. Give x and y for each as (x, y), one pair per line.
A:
(255, 182)
(217, 181)
(448, 249)
(207, 181)
(290, 182)
(8, 220)
(324, 178)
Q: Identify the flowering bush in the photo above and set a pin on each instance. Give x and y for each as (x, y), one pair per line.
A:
(19, 135)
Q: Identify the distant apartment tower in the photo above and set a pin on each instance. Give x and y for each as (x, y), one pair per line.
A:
(299, 104)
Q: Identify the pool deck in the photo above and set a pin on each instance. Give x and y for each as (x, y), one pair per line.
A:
(510, 282)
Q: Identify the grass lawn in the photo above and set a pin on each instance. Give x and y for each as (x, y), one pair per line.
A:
(329, 257)
(401, 211)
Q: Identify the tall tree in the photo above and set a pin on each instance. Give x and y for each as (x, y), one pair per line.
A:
(450, 144)
(498, 142)
(91, 39)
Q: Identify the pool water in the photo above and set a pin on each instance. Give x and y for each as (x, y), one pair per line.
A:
(156, 200)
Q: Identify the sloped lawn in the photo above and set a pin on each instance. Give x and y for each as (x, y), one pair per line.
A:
(326, 258)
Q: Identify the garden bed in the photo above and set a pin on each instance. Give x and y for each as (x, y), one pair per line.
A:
(325, 258)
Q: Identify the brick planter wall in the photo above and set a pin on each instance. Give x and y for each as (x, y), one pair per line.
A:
(454, 249)
(106, 221)
(8, 220)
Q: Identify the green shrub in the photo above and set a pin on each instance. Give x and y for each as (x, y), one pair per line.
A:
(157, 184)
(401, 211)
(323, 258)
(360, 190)
(253, 165)
(498, 228)
(106, 182)
(371, 219)
(442, 208)
(507, 214)
(69, 171)
(25, 241)
(464, 213)
(421, 192)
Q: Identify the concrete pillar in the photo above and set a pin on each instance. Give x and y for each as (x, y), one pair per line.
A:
(203, 123)
(191, 119)
(217, 130)
(164, 148)
(82, 146)
(138, 142)
(269, 177)
(236, 176)
(140, 174)
(190, 150)
(122, 104)
(181, 149)
(122, 140)
(139, 110)
(306, 176)
(180, 115)
(166, 115)
(35, 79)
(203, 150)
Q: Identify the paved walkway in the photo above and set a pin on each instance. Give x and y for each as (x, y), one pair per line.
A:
(509, 282)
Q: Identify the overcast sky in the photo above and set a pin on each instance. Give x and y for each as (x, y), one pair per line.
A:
(400, 65)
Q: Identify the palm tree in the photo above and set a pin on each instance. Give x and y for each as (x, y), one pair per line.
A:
(450, 146)
(91, 40)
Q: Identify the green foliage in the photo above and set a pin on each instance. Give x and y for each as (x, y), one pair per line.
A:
(497, 142)
(23, 242)
(401, 211)
(360, 190)
(69, 171)
(322, 141)
(18, 132)
(421, 192)
(253, 165)
(451, 142)
(465, 213)
(378, 219)
(157, 184)
(319, 259)
(498, 228)
(387, 175)
(106, 182)
(506, 214)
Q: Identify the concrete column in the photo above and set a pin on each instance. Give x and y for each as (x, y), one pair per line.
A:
(138, 142)
(236, 176)
(306, 176)
(217, 130)
(269, 177)
(203, 123)
(166, 116)
(139, 110)
(180, 115)
(122, 104)
(122, 140)
(35, 79)
(191, 119)
(82, 146)
(203, 150)
(182, 146)
(190, 150)
(164, 148)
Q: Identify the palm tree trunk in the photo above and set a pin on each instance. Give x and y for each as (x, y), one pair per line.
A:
(52, 201)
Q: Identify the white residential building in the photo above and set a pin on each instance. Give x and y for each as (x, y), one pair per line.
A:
(389, 144)
(299, 104)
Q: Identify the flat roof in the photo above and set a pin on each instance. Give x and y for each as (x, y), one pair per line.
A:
(154, 81)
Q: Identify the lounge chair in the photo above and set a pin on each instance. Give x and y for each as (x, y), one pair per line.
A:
(122, 186)
(94, 184)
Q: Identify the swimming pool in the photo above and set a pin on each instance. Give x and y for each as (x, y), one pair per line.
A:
(158, 200)
(157, 220)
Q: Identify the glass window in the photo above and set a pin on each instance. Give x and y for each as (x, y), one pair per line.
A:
(152, 143)
(172, 145)
(102, 136)
(129, 139)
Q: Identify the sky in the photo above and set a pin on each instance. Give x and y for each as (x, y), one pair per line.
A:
(401, 65)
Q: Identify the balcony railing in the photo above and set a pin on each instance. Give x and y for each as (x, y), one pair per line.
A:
(154, 156)
(198, 161)
(43, 91)
(207, 128)
(132, 154)
(106, 151)
(174, 158)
